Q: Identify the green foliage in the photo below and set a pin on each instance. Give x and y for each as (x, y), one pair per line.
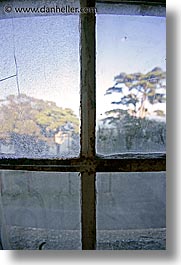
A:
(124, 133)
(37, 119)
(130, 127)
(142, 89)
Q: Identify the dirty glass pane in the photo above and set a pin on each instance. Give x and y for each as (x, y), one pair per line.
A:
(131, 211)
(40, 210)
(39, 86)
(131, 83)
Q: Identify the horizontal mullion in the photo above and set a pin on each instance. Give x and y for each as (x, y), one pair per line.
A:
(140, 2)
(130, 162)
(134, 155)
(34, 162)
(67, 165)
(131, 165)
(44, 168)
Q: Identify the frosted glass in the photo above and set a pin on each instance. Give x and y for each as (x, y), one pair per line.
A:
(131, 211)
(131, 84)
(39, 87)
(40, 209)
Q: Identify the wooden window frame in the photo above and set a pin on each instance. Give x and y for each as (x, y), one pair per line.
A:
(89, 162)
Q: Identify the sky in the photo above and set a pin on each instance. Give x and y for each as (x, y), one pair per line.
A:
(47, 54)
(127, 44)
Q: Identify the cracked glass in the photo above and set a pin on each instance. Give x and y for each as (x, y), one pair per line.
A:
(39, 87)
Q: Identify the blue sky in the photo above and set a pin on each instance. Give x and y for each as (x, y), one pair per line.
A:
(47, 52)
(127, 44)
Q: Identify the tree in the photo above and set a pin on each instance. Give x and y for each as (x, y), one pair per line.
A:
(138, 91)
(132, 125)
(31, 124)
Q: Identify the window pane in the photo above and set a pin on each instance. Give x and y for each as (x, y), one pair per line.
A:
(131, 211)
(131, 84)
(38, 207)
(39, 86)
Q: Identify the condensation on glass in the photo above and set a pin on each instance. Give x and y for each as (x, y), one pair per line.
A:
(131, 211)
(131, 79)
(39, 83)
(40, 210)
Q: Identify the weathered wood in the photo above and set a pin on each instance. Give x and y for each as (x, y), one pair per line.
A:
(134, 155)
(88, 100)
(143, 2)
(132, 8)
(88, 163)
(131, 165)
(88, 124)
(88, 210)
(132, 162)
(126, 162)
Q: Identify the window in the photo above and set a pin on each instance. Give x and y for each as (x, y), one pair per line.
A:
(38, 90)
(70, 183)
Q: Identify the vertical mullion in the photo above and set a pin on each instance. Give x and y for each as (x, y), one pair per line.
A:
(88, 102)
(88, 215)
(88, 118)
